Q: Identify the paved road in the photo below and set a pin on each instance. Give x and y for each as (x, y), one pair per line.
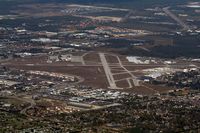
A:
(82, 58)
(107, 70)
(32, 104)
(174, 17)
(26, 100)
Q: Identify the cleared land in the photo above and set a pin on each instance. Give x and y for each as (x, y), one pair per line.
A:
(124, 77)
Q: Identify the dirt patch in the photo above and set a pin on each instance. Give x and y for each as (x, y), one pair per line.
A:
(121, 76)
(122, 84)
(94, 76)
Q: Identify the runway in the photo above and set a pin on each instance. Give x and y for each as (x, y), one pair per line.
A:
(107, 71)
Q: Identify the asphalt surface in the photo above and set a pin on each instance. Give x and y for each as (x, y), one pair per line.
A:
(107, 71)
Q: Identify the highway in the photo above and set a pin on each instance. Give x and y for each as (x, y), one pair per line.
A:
(107, 70)
(174, 17)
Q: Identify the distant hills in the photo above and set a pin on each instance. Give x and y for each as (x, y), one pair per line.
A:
(120, 3)
(144, 2)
